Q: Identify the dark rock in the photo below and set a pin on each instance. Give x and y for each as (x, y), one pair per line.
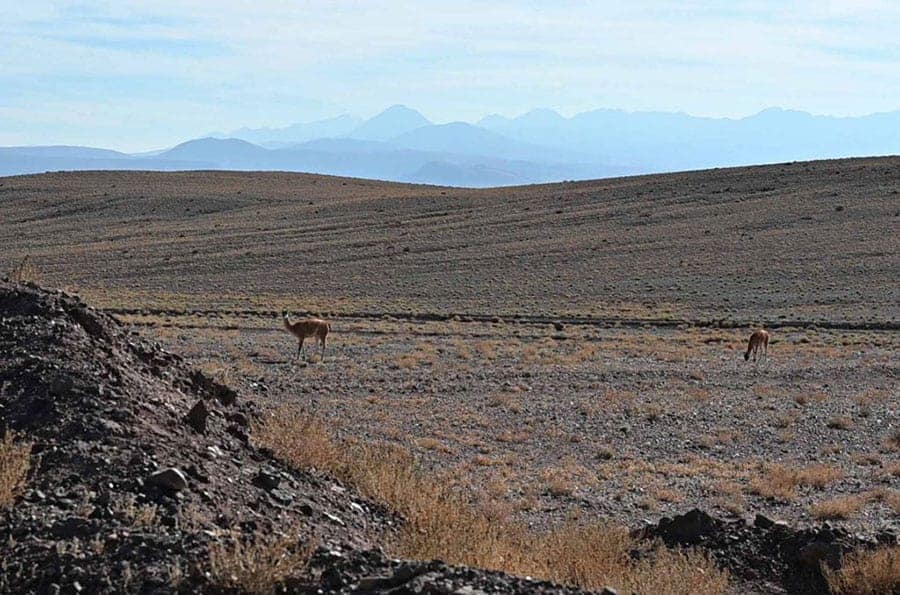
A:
(763, 522)
(170, 479)
(61, 385)
(196, 417)
(198, 473)
(266, 480)
(689, 528)
(89, 320)
(281, 496)
(814, 554)
(239, 419)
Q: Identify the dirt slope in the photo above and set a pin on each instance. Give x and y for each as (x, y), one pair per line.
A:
(106, 411)
(811, 241)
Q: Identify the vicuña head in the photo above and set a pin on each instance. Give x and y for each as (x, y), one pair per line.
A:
(306, 327)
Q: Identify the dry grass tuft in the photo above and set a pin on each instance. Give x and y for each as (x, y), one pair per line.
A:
(870, 572)
(838, 508)
(257, 567)
(780, 483)
(299, 438)
(14, 464)
(134, 514)
(459, 528)
(24, 272)
(839, 422)
(893, 441)
(846, 507)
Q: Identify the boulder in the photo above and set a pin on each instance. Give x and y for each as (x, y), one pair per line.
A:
(196, 417)
(170, 479)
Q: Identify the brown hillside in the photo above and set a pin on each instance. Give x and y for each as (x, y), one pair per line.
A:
(802, 241)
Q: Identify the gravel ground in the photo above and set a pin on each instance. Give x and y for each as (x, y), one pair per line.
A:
(624, 423)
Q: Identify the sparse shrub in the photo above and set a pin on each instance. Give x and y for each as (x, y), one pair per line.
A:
(892, 469)
(486, 350)
(257, 567)
(668, 495)
(460, 528)
(14, 463)
(785, 419)
(839, 422)
(780, 483)
(893, 441)
(299, 438)
(24, 272)
(867, 572)
(888, 497)
(429, 443)
(134, 514)
(838, 508)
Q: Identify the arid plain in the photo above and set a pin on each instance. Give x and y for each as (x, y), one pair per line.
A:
(566, 351)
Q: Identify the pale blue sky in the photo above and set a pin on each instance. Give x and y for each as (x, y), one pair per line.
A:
(144, 75)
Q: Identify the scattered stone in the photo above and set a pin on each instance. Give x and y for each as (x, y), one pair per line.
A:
(689, 528)
(267, 480)
(170, 479)
(196, 417)
(763, 522)
(239, 419)
(814, 554)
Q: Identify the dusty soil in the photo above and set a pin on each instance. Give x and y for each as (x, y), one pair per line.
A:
(811, 241)
(569, 349)
(625, 423)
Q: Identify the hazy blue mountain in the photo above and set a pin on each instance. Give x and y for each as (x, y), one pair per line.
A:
(379, 160)
(539, 146)
(393, 121)
(35, 160)
(664, 141)
(344, 145)
(66, 151)
(467, 139)
(445, 173)
(219, 153)
(297, 133)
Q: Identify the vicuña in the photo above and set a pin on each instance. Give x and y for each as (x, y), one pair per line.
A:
(307, 327)
(758, 339)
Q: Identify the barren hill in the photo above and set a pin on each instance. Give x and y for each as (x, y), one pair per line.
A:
(807, 242)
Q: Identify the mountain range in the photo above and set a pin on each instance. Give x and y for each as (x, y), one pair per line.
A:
(400, 144)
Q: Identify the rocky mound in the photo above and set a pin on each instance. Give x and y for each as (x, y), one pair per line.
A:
(766, 555)
(139, 462)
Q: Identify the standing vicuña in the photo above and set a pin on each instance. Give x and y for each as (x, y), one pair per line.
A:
(307, 327)
(758, 339)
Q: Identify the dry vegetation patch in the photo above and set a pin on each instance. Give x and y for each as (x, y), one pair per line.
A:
(780, 483)
(257, 567)
(462, 528)
(839, 508)
(872, 572)
(14, 464)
